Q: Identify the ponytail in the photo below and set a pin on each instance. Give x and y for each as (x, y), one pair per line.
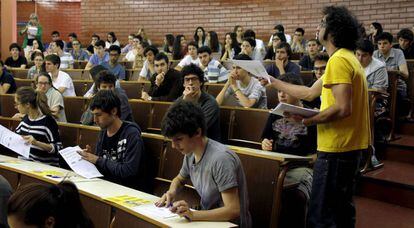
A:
(37, 100)
(41, 101)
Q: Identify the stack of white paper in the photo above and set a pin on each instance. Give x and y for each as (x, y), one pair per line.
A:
(14, 142)
(154, 211)
(77, 164)
(292, 109)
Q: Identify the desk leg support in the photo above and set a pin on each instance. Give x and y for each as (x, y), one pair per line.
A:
(274, 221)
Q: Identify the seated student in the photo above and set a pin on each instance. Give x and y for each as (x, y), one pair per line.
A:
(38, 127)
(214, 72)
(282, 63)
(168, 43)
(231, 47)
(193, 78)
(71, 37)
(105, 80)
(61, 80)
(179, 47)
(212, 42)
(375, 70)
(242, 89)
(405, 42)
(139, 58)
(298, 43)
(54, 97)
(99, 57)
(271, 51)
(36, 47)
(215, 171)
(279, 28)
(247, 47)
(130, 44)
(111, 40)
(94, 71)
(191, 56)
(66, 59)
(148, 68)
(394, 60)
(91, 46)
(259, 50)
(15, 60)
(55, 36)
(7, 83)
(39, 65)
(307, 61)
(287, 136)
(166, 83)
(200, 37)
(5, 193)
(120, 155)
(113, 65)
(130, 56)
(78, 53)
(44, 205)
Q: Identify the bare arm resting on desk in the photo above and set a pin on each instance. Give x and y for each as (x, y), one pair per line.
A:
(229, 211)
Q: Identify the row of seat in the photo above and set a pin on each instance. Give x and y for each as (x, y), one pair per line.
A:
(263, 169)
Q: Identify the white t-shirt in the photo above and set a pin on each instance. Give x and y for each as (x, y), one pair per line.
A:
(259, 51)
(64, 80)
(107, 44)
(187, 60)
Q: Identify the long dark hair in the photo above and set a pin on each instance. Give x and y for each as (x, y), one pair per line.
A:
(47, 75)
(214, 42)
(178, 53)
(170, 42)
(34, 203)
(203, 37)
(113, 37)
(36, 99)
(34, 55)
(234, 44)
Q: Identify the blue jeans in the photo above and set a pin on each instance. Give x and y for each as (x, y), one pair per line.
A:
(333, 185)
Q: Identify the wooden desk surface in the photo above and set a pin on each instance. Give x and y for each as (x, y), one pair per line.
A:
(99, 189)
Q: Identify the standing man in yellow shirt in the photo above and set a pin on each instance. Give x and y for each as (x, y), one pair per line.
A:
(343, 122)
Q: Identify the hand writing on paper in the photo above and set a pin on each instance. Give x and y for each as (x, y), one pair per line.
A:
(166, 199)
(182, 209)
(88, 155)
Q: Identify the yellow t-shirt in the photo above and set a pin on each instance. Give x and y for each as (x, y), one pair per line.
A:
(352, 132)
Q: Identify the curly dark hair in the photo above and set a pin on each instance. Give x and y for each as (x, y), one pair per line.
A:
(194, 70)
(405, 33)
(106, 100)
(343, 27)
(183, 117)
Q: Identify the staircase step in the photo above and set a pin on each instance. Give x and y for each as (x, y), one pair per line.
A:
(403, 140)
(399, 150)
(374, 213)
(406, 128)
(394, 183)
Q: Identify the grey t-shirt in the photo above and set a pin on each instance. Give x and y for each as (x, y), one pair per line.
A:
(252, 91)
(218, 170)
(377, 76)
(392, 62)
(55, 99)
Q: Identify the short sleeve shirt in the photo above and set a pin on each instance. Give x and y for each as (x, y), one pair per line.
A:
(95, 60)
(64, 80)
(55, 99)
(187, 60)
(218, 170)
(66, 60)
(353, 132)
(252, 91)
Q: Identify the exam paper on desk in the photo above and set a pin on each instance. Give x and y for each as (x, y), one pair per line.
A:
(77, 164)
(14, 142)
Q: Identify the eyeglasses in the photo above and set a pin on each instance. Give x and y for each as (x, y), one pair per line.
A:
(75, 43)
(43, 83)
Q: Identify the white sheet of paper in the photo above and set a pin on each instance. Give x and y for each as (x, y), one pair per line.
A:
(154, 211)
(14, 142)
(283, 107)
(77, 164)
(254, 67)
